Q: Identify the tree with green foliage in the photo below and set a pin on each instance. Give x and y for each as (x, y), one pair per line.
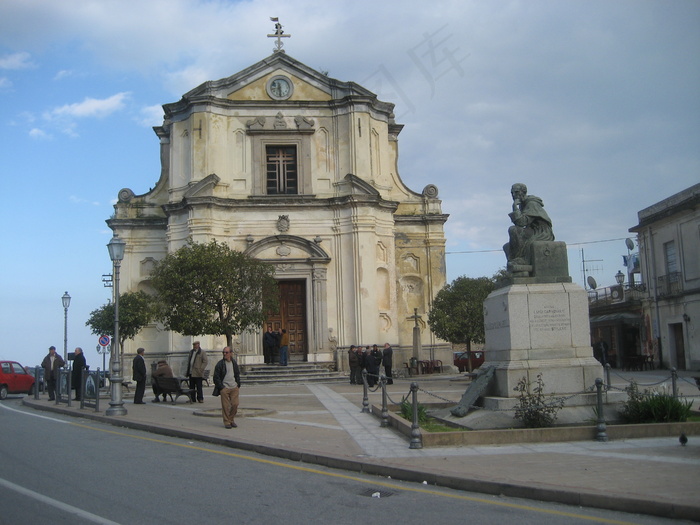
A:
(136, 311)
(457, 314)
(211, 289)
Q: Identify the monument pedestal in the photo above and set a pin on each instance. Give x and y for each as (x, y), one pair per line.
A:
(540, 328)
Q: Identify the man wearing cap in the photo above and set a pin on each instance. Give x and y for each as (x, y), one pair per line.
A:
(51, 364)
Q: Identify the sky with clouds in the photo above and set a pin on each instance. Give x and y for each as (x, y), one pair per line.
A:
(593, 104)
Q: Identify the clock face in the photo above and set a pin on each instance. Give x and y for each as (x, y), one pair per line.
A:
(279, 88)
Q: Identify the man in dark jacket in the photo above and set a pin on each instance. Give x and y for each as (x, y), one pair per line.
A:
(388, 360)
(76, 375)
(227, 384)
(354, 363)
(373, 361)
(139, 375)
(51, 365)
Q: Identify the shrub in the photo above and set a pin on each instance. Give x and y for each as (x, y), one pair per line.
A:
(406, 411)
(535, 409)
(653, 406)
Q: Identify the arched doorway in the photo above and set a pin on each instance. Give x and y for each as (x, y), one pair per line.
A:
(292, 317)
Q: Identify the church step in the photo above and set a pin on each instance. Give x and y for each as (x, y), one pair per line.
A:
(293, 373)
(292, 379)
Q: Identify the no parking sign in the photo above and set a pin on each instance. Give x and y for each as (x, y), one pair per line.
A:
(104, 340)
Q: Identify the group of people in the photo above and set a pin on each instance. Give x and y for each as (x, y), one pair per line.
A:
(227, 379)
(275, 343)
(360, 359)
(53, 362)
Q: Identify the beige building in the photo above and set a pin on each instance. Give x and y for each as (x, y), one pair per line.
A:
(669, 247)
(298, 169)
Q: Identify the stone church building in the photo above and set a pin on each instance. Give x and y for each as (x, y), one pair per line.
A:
(300, 170)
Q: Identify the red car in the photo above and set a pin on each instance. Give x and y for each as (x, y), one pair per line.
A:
(462, 363)
(14, 379)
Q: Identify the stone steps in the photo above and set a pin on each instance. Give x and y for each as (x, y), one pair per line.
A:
(293, 373)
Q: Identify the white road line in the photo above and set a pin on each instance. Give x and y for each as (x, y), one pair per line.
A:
(58, 504)
(293, 422)
(30, 414)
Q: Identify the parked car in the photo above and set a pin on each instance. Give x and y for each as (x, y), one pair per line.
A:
(31, 370)
(14, 379)
(461, 360)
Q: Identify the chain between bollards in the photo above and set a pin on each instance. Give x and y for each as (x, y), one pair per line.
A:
(601, 429)
(416, 438)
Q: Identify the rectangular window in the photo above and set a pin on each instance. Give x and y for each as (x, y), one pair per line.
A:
(670, 257)
(282, 172)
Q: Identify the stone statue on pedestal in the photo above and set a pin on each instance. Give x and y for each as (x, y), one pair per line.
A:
(530, 224)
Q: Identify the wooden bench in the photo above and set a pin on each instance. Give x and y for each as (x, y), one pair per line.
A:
(172, 385)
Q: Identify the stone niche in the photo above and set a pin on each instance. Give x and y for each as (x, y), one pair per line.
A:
(539, 328)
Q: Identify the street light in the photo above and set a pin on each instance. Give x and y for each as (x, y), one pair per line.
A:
(66, 304)
(620, 277)
(116, 403)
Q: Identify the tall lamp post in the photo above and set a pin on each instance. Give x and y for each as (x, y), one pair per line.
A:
(116, 404)
(66, 304)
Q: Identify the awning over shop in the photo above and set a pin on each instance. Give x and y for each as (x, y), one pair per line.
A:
(621, 317)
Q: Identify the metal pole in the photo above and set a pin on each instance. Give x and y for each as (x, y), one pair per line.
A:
(385, 411)
(365, 399)
(65, 334)
(607, 376)
(116, 403)
(416, 438)
(36, 382)
(601, 428)
(674, 382)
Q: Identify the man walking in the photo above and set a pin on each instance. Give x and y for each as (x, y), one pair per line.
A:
(227, 383)
(51, 364)
(139, 375)
(196, 364)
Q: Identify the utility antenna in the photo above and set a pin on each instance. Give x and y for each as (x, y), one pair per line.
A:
(278, 34)
(589, 269)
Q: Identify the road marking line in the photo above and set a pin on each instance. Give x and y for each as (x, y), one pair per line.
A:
(359, 480)
(33, 415)
(58, 504)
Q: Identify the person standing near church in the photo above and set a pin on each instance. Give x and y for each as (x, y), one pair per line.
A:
(76, 374)
(196, 365)
(227, 384)
(388, 360)
(139, 375)
(354, 364)
(270, 339)
(51, 364)
(284, 348)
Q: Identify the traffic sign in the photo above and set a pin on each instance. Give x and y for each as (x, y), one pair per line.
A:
(104, 340)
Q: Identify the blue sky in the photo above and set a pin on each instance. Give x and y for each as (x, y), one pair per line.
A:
(593, 104)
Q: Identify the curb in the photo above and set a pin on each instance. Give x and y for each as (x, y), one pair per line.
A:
(375, 467)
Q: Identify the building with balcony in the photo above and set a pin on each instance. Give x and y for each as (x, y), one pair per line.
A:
(668, 234)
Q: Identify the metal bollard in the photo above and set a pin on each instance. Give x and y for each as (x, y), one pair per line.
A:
(416, 438)
(608, 383)
(674, 382)
(365, 399)
(385, 411)
(601, 428)
(36, 382)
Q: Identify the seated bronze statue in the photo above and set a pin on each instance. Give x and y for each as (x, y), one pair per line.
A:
(530, 223)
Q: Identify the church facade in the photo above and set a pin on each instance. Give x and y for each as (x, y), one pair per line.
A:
(300, 170)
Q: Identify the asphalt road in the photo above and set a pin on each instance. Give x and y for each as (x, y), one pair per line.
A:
(56, 470)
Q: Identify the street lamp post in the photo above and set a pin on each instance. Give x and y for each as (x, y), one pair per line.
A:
(620, 277)
(116, 404)
(66, 304)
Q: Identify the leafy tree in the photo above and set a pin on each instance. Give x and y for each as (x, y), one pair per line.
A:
(457, 314)
(136, 310)
(211, 289)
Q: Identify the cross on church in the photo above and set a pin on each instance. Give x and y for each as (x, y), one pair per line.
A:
(278, 34)
(415, 316)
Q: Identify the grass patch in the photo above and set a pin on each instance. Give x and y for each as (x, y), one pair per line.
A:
(433, 425)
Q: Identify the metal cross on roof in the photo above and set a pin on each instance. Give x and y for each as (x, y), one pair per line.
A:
(278, 34)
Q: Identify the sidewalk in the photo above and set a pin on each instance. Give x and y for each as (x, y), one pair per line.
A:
(323, 424)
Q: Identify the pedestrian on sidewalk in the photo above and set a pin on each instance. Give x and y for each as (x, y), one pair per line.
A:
(51, 365)
(196, 364)
(76, 374)
(388, 360)
(284, 348)
(138, 370)
(374, 360)
(227, 383)
(354, 363)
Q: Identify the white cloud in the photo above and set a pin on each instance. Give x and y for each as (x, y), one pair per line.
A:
(37, 133)
(79, 200)
(91, 107)
(151, 116)
(16, 61)
(5, 83)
